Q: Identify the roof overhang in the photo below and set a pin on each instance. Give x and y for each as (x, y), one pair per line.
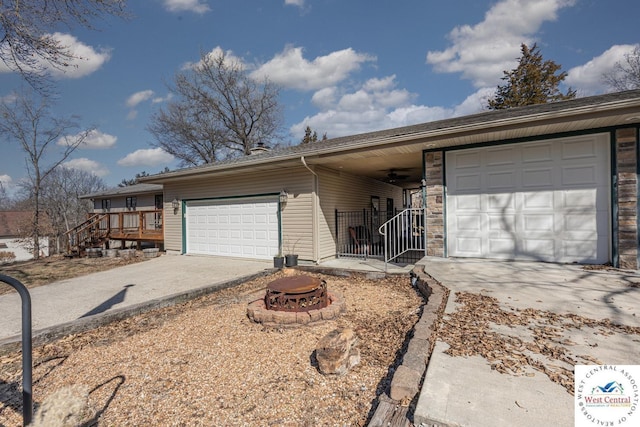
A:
(374, 153)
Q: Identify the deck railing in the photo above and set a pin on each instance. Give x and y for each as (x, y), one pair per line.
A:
(134, 226)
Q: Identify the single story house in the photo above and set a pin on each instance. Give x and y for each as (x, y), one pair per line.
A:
(554, 182)
(12, 230)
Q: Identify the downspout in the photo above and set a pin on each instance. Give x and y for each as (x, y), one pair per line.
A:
(314, 210)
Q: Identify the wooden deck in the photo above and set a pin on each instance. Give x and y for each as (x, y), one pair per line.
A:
(132, 226)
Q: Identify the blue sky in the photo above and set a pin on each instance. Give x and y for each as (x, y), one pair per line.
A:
(345, 66)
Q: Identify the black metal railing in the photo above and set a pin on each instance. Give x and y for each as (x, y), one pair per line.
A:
(357, 233)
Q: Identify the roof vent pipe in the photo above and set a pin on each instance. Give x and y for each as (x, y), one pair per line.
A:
(259, 148)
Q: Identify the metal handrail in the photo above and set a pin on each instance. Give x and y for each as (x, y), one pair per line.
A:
(404, 232)
(27, 356)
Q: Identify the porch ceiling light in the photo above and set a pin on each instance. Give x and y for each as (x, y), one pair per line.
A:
(283, 196)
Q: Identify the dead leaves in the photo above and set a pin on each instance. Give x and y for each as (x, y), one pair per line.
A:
(480, 326)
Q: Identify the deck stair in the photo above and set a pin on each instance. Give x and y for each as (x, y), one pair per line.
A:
(89, 234)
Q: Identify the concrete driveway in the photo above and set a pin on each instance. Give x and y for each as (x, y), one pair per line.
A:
(566, 324)
(72, 303)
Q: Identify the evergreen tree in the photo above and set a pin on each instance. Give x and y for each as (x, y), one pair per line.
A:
(534, 81)
(311, 136)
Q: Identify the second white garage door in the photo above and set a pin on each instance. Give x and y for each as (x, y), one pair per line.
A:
(546, 200)
(246, 228)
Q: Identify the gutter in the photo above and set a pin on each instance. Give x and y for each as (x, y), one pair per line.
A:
(314, 210)
(446, 131)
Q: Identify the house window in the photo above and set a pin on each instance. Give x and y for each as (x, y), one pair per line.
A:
(106, 204)
(158, 201)
(131, 202)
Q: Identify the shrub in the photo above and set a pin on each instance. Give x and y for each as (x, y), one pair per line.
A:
(6, 256)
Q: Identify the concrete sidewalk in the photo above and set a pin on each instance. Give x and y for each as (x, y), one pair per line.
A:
(121, 289)
(465, 391)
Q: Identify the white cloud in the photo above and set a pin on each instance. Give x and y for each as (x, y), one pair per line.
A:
(146, 157)
(195, 6)
(299, 3)
(588, 79)
(5, 180)
(87, 59)
(160, 99)
(217, 52)
(95, 140)
(132, 115)
(376, 105)
(87, 165)
(483, 51)
(291, 70)
(474, 103)
(139, 97)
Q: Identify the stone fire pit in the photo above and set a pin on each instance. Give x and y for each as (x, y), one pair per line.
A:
(296, 300)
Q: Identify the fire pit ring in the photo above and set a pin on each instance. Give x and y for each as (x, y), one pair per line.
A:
(289, 295)
(296, 294)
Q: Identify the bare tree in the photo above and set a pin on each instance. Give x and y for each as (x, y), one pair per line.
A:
(5, 200)
(220, 112)
(625, 74)
(60, 198)
(27, 44)
(26, 119)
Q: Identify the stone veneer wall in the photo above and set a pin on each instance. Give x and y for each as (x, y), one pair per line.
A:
(435, 203)
(627, 161)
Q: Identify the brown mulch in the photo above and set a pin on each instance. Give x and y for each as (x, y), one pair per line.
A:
(205, 363)
(40, 272)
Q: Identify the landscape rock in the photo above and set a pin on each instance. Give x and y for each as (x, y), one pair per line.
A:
(336, 352)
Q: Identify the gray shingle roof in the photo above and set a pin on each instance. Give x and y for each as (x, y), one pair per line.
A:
(336, 144)
(122, 191)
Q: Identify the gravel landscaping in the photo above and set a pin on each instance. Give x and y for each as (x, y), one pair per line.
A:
(206, 363)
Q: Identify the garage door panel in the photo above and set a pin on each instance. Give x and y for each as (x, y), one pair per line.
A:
(468, 160)
(503, 202)
(545, 249)
(538, 178)
(503, 156)
(556, 208)
(468, 222)
(469, 246)
(536, 223)
(539, 200)
(505, 180)
(579, 176)
(470, 202)
(468, 182)
(240, 228)
(581, 148)
(537, 153)
(579, 248)
(499, 224)
(500, 248)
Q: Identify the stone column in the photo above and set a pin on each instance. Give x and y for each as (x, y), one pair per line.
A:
(435, 203)
(627, 160)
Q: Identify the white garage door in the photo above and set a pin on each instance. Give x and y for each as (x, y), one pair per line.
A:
(246, 228)
(545, 200)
